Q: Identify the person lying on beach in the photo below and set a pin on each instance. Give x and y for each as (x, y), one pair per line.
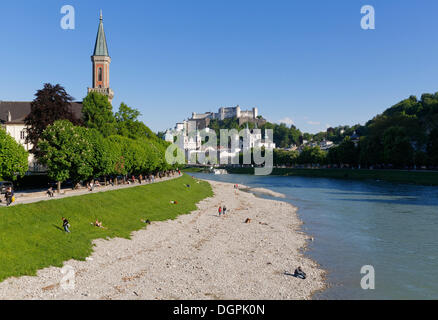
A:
(299, 273)
(174, 202)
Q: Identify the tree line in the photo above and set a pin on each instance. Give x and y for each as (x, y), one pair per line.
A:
(99, 143)
(403, 136)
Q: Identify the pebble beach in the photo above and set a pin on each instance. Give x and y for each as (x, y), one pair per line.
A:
(250, 253)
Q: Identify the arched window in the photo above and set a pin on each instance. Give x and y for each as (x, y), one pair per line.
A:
(99, 74)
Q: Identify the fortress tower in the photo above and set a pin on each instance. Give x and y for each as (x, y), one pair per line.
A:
(101, 65)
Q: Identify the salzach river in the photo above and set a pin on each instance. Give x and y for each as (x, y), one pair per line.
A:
(392, 227)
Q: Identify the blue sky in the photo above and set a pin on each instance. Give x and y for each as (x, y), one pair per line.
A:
(308, 62)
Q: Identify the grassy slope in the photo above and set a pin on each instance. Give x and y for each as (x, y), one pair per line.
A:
(396, 176)
(31, 237)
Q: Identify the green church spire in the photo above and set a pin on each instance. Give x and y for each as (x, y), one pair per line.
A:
(101, 48)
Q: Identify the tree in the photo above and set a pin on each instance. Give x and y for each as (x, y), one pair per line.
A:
(432, 147)
(371, 151)
(67, 152)
(312, 155)
(97, 114)
(348, 152)
(51, 103)
(283, 157)
(13, 157)
(397, 147)
(128, 124)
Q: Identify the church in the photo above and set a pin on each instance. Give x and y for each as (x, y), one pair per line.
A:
(13, 113)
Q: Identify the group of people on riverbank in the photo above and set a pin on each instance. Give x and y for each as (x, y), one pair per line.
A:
(140, 179)
(91, 185)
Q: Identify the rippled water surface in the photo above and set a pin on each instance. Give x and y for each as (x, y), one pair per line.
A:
(392, 227)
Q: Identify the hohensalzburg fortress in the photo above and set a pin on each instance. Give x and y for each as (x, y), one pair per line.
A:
(190, 139)
(225, 113)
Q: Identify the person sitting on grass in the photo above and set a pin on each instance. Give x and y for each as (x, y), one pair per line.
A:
(65, 224)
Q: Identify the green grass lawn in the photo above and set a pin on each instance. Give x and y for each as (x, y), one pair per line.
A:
(32, 238)
(429, 178)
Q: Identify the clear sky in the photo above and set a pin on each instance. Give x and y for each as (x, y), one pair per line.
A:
(308, 62)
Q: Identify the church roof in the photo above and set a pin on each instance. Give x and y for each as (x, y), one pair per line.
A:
(101, 48)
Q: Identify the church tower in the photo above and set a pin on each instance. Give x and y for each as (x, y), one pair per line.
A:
(101, 65)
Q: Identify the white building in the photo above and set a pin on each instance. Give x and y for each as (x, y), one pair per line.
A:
(12, 115)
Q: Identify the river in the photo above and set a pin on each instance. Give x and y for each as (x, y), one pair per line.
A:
(392, 227)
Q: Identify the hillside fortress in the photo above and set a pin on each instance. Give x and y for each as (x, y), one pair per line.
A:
(14, 113)
(243, 116)
(224, 113)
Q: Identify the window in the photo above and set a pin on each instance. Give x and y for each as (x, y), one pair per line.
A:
(99, 76)
(23, 134)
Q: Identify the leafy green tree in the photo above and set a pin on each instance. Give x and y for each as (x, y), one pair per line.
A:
(129, 126)
(51, 103)
(13, 157)
(420, 158)
(348, 152)
(312, 155)
(283, 157)
(397, 147)
(67, 152)
(432, 147)
(97, 114)
(371, 151)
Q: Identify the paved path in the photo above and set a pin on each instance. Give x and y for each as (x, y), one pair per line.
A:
(23, 198)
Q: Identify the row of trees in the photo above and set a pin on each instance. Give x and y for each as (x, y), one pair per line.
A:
(404, 135)
(393, 148)
(80, 153)
(97, 143)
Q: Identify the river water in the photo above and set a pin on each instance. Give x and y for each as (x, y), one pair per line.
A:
(392, 227)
